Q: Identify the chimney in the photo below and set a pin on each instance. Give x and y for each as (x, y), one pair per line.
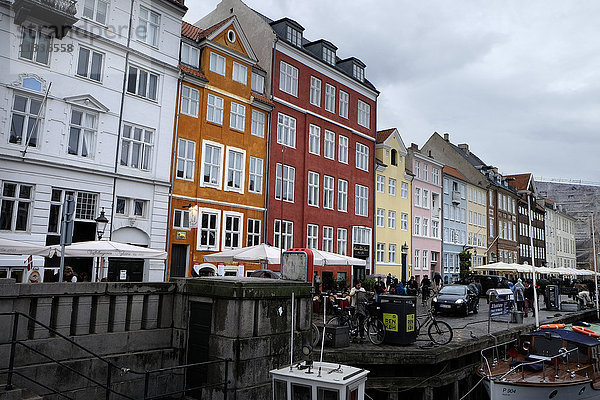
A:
(495, 169)
(464, 147)
(447, 137)
(414, 146)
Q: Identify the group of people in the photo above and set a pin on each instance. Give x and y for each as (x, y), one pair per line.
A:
(409, 288)
(524, 296)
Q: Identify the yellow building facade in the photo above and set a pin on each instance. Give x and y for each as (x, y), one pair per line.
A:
(476, 223)
(393, 206)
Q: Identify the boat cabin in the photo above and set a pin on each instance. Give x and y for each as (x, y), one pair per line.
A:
(319, 381)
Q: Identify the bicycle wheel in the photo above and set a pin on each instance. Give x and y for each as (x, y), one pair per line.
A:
(376, 331)
(417, 326)
(440, 332)
(315, 335)
(336, 321)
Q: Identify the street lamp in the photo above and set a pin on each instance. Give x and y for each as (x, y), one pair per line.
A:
(404, 249)
(101, 222)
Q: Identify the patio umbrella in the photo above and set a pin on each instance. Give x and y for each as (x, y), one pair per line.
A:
(260, 253)
(265, 273)
(321, 257)
(107, 248)
(15, 247)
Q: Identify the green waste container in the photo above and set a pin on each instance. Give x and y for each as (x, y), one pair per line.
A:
(399, 315)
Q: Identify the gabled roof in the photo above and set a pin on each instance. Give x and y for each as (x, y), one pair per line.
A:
(384, 134)
(212, 32)
(454, 172)
(190, 31)
(215, 27)
(520, 181)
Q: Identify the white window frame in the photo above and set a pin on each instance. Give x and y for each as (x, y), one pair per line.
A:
(217, 63)
(287, 238)
(190, 101)
(86, 130)
(146, 148)
(380, 184)
(380, 252)
(146, 22)
(315, 91)
(343, 149)
(392, 253)
(342, 241)
(404, 221)
(312, 236)
(391, 219)
(182, 218)
(258, 83)
(89, 64)
(330, 98)
(404, 190)
(328, 191)
(255, 174)
(258, 124)
(29, 119)
(143, 90)
(215, 104)
(362, 157)
(364, 114)
(329, 145)
(190, 55)
(392, 186)
(35, 46)
(240, 230)
(219, 166)
(313, 189)
(16, 200)
(216, 230)
(288, 78)
(237, 116)
(343, 105)
(286, 130)
(314, 139)
(239, 73)
(342, 195)
(327, 243)
(253, 237)
(235, 170)
(288, 182)
(183, 159)
(380, 218)
(361, 200)
(417, 226)
(95, 10)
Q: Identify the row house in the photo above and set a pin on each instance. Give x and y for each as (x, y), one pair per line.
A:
(219, 171)
(454, 211)
(393, 189)
(476, 223)
(426, 213)
(531, 220)
(560, 237)
(322, 141)
(87, 110)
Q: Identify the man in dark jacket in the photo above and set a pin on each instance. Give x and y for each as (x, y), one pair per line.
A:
(529, 295)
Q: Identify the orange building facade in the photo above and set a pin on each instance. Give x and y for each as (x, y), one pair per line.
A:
(219, 168)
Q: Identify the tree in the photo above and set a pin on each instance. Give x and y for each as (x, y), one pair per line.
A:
(465, 263)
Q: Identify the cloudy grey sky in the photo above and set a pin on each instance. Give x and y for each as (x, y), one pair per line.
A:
(517, 80)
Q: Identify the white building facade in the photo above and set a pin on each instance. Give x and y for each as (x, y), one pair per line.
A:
(560, 237)
(88, 113)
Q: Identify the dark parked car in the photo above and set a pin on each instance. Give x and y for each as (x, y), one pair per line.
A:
(456, 298)
(487, 282)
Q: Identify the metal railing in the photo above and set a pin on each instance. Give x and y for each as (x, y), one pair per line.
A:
(12, 370)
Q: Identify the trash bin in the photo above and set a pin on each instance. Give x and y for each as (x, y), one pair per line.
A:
(337, 336)
(552, 297)
(399, 317)
(516, 317)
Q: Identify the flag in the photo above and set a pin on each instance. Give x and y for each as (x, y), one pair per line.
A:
(29, 262)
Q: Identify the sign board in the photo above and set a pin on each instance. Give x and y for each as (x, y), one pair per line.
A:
(123, 275)
(499, 308)
(294, 266)
(360, 251)
(410, 322)
(391, 322)
(181, 235)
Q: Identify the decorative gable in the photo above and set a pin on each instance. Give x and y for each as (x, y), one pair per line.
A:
(87, 101)
(231, 36)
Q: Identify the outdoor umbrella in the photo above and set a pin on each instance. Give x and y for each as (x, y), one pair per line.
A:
(260, 253)
(14, 247)
(321, 257)
(107, 248)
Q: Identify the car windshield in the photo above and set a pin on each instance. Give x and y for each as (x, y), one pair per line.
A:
(453, 290)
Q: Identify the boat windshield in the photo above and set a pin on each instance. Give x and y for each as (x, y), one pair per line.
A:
(460, 290)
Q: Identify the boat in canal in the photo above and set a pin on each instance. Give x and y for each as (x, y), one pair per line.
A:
(559, 363)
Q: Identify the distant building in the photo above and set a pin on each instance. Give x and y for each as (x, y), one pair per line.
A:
(88, 111)
(393, 188)
(454, 213)
(560, 237)
(426, 213)
(476, 224)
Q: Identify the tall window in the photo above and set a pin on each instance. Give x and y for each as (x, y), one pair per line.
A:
(82, 133)
(189, 100)
(313, 188)
(15, 206)
(283, 234)
(380, 184)
(284, 182)
(404, 221)
(315, 91)
(417, 197)
(330, 98)
(186, 159)
(417, 259)
(212, 159)
(208, 235)
(24, 120)
(343, 149)
(327, 239)
(362, 157)
(417, 227)
(235, 169)
(435, 229)
(425, 259)
(214, 109)
(35, 46)
(253, 236)
(232, 232)
(392, 186)
(89, 64)
(190, 55)
(137, 145)
(362, 201)
(149, 26)
(181, 219)
(342, 195)
(392, 219)
(435, 176)
(314, 139)
(239, 73)
(342, 240)
(294, 36)
(329, 145)
(96, 10)
(142, 83)
(258, 83)
(255, 175)
(343, 106)
(217, 63)
(404, 190)
(286, 130)
(425, 198)
(237, 116)
(364, 114)
(258, 123)
(425, 227)
(288, 79)
(380, 218)
(380, 252)
(392, 253)
(426, 172)
(328, 191)
(312, 236)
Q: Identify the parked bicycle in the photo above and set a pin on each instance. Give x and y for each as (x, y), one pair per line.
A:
(375, 329)
(438, 331)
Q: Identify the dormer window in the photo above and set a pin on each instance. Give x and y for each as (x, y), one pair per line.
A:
(258, 83)
(190, 55)
(328, 56)
(294, 36)
(358, 72)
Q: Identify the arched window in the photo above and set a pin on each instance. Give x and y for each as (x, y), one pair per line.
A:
(394, 157)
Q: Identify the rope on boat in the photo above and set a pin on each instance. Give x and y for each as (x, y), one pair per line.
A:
(473, 388)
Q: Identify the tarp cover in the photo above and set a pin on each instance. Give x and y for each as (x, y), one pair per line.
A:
(568, 335)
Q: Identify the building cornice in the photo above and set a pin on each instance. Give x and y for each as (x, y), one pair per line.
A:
(218, 202)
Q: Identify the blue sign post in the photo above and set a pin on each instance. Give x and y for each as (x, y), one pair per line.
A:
(498, 309)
